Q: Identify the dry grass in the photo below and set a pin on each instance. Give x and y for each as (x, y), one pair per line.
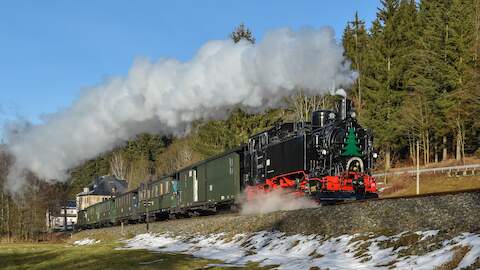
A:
(458, 255)
(406, 185)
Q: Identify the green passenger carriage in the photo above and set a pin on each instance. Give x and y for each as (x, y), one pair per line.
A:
(207, 186)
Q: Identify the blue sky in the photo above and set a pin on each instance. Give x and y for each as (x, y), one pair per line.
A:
(51, 50)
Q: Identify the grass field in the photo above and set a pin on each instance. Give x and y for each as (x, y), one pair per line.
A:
(99, 256)
(406, 185)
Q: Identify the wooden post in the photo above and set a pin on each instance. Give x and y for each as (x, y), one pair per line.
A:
(418, 167)
(123, 234)
(146, 219)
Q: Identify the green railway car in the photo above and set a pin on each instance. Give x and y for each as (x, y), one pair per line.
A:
(96, 215)
(203, 187)
(158, 196)
(125, 207)
(82, 218)
(208, 184)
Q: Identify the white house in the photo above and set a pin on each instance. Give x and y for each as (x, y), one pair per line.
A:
(56, 218)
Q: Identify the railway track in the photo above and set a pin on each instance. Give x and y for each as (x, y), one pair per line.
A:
(435, 194)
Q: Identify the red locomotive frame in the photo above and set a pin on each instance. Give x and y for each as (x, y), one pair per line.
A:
(353, 185)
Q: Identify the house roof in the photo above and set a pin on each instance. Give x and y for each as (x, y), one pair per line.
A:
(71, 204)
(106, 186)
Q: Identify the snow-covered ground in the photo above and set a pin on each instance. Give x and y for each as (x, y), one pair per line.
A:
(305, 251)
(86, 242)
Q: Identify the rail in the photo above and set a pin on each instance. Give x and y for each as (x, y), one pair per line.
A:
(414, 196)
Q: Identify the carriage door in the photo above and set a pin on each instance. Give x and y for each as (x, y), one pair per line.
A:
(195, 185)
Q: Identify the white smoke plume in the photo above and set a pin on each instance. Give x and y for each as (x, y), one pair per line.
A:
(339, 92)
(276, 200)
(165, 96)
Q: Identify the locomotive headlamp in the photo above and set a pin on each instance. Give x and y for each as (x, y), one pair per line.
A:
(324, 152)
(375, 155)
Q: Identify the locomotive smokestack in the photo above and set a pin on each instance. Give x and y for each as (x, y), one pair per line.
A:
(343, 104)
(344, 108)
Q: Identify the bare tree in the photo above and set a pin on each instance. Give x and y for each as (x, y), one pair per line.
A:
(178, 155)
(304, 105)
(138, 171)
(118, 166)
(5, 163)
(185, 156)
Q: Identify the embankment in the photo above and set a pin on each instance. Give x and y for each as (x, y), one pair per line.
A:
(450, 213)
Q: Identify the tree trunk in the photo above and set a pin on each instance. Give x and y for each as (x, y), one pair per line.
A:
(412, 151)
(2, 218)
(444, 152)
(8, 219)
(428, 149)
(424, 145)
(387, 159)
(65, 217)
(458, 147)
(463, 147)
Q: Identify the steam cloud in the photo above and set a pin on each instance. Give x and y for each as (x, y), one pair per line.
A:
(276, 200)
(166, 96)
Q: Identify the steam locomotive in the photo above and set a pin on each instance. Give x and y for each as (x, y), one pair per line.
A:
(329, 158)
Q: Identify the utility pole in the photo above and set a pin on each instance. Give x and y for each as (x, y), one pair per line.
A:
(65, 216)
(418, 167)
(147, 204)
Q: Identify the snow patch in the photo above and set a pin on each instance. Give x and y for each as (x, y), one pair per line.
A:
(426, 234)
(358, 251)
(86, 242)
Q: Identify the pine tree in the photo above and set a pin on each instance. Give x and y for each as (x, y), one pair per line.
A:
(424, 79)
(383, 93)
(351, 147)
(355, 42)
(462, 102)
(242, 32)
